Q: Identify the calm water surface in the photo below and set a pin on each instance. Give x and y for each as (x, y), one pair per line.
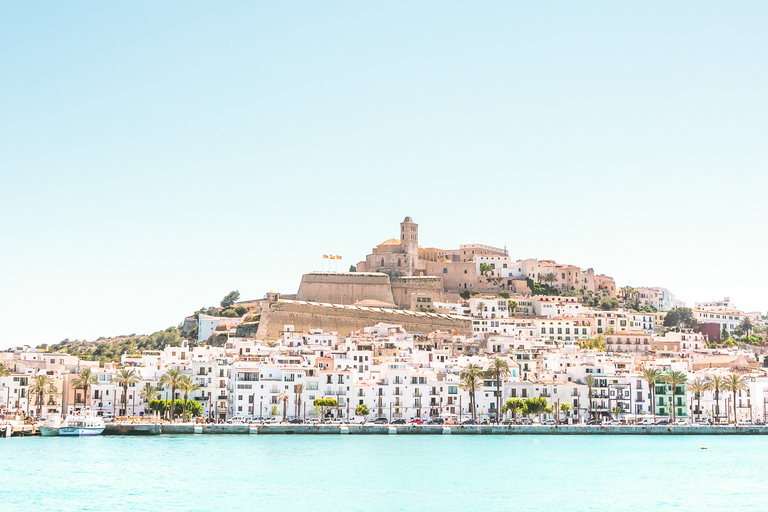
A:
(366, 473)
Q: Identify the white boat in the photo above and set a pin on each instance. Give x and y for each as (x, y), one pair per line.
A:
(86, 424)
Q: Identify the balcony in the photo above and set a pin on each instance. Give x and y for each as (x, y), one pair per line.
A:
(417, 395)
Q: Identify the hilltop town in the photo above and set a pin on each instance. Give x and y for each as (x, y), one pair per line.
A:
(420, 334)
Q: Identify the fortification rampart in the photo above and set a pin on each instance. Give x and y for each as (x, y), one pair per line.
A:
(346, 319)
(345, 287)
(403, 287)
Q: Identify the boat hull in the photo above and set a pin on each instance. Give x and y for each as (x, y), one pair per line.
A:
(71, 431)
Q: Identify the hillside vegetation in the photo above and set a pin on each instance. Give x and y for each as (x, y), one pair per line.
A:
(110, 349)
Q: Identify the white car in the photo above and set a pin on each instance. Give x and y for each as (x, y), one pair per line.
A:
(312, 421)
(681, 423)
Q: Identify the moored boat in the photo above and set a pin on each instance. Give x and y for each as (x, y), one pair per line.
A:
(87, 424)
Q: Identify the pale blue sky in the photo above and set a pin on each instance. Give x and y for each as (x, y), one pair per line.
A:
(155, 157)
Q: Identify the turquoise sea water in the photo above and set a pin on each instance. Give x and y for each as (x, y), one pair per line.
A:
(367, 473)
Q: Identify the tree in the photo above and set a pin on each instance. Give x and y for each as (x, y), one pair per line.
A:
(362, 410)
(187, 385)
(734, 384)
(536, 406)
(282, 397)
(466, 294)
(470, 381)
(550, 278)
(674, 379)
(85, 380)
(299, 388)
(480, 307)
(616, 411)
(745, 328)
(724, 334)
(149, 393)
(41, 384)
(564, 407)
(352, 268)
(680, 318)
(498, 370)
(697, 386)
(486, 269)
(230, 299)
(650, 376)
(171, 379)
(589, 380)
(514, 405)
(504, 294)
(716, 384)
(512, 305)
(125, 378)
(5, 371)
(325, 403)
(596, 343)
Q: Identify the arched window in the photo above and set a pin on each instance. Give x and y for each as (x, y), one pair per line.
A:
(382, 262)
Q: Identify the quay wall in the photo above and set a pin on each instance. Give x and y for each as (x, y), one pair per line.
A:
(157, 429)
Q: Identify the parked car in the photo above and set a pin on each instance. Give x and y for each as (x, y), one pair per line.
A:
(313, 421)
(470, 421)
(524, 421)
(702, 423)
(681, 423)
(337, 421)
(380, 421)
(745, 423)
(272, 420)
(662, 422)
(416, 421)
(594, 422)
(613, 423)
(295, 420)
(236, 419)
(646, 421)
(436, 421)
(548, 422)
(398, 421)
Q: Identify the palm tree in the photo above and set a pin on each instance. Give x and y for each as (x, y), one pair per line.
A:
(283, 397)
(480, 307)
(697, 387)
(299, 388)
(41, 385)
(171, 379)
(651, 375)
(512, 305)
(735, 383)
(125, 378)
(186, 385)
(674, 379)
(716, 384)
(5, 372)
(470, 380)
(498, 370)
(589, 380)
(85, 379)
(149, 393)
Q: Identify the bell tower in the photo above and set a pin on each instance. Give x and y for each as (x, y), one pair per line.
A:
(409, 240)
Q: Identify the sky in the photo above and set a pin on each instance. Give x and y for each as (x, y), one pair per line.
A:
(155, 156)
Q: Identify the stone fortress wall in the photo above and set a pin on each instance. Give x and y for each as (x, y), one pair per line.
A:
(404, 287)
(345, 319)
(345, 287)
